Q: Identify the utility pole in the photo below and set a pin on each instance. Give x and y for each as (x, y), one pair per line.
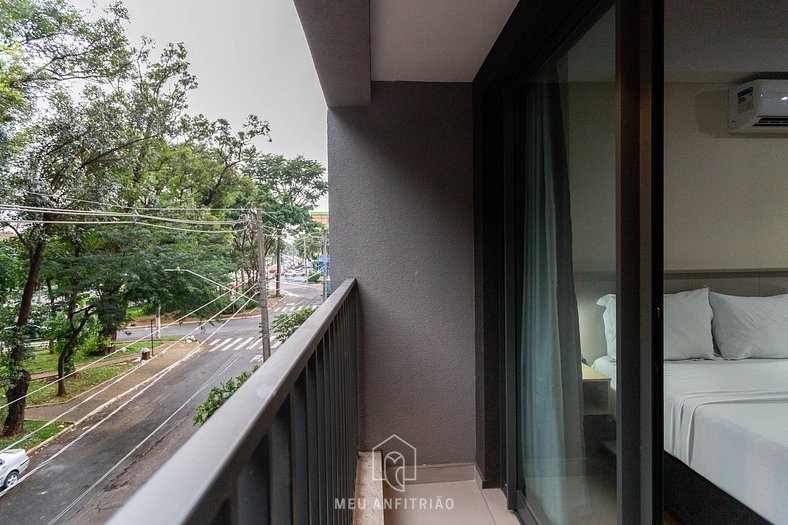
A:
(261, 284)
(278, 264)
(158, 321)
(325, 264)
(306, 272)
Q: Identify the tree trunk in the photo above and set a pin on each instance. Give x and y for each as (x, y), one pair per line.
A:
(52, 312)
(111, 333)
(61, 371)
(65, 352)
(15, 419)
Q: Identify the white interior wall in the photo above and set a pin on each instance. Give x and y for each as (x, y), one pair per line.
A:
(591, 149)
(726, 196)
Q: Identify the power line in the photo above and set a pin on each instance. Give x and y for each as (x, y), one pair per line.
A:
(87, 491)
(113, 353)
(102, 213)
(109, 204)
(158, 377)
(120, 377)
(116, 223)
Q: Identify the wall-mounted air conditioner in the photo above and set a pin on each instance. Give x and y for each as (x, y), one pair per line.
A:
(760, 106)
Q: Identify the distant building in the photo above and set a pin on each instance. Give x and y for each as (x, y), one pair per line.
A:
(320, 216)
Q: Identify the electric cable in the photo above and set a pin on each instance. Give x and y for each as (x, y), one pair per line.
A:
(120, 377)
(113, 352)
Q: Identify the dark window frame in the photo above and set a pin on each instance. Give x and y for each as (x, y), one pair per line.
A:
(535, 34)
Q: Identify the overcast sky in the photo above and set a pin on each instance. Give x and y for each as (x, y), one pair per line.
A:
(250, 56)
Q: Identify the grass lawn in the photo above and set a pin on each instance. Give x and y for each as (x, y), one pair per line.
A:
(76, 384)
(46, 362)
(30, 426)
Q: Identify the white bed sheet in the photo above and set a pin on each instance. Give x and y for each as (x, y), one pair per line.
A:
(728, 421)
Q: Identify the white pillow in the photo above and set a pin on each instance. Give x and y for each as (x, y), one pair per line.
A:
(609, 317)
(750, 326)
(686, 326)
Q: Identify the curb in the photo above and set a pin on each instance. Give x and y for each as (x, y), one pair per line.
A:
(112, 400)
(47, 440)
(281, 298)
(88, 391)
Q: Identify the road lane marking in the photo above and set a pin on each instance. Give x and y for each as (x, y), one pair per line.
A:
(226, 342)
(212, 343)
(240, 346)
(257, 342)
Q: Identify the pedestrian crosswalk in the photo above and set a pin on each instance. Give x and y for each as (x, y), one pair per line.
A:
(246, 343)
(235, 344)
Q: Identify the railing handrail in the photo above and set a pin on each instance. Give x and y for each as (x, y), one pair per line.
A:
(188, 487)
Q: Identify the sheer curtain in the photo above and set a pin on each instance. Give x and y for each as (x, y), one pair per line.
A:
(550, 391)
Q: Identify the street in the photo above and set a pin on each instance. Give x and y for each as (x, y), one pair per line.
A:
(77, 483)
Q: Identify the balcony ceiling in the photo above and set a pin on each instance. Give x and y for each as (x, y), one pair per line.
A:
(433, 40)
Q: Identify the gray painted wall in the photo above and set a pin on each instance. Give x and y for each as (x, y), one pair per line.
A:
(400, 180)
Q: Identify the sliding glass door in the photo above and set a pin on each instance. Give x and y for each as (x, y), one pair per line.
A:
(568, 176)
(565, 165)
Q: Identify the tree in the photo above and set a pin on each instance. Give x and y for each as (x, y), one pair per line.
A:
(218, 395)
(285, 325)
(63, 162)
(89, 123)
(289, 189)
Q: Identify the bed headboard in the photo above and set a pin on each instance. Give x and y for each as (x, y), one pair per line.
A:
(590, 286)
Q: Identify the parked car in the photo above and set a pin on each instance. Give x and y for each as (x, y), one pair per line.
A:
(12, 463)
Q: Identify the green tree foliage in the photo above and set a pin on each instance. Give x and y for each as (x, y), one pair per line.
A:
(285, 325)
(289, 188)
(218, 395)
(93, 125)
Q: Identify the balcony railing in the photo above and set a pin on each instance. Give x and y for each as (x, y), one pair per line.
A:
(282, 448)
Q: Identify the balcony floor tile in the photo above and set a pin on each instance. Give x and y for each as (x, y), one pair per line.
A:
(469, 505)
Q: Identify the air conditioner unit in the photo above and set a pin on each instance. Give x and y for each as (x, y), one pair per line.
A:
(760, 106)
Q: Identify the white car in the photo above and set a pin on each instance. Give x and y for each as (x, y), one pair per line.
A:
(12, 463)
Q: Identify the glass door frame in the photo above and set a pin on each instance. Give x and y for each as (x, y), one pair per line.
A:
(534, 36)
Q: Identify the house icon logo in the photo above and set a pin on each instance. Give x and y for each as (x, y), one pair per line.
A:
(398, 463)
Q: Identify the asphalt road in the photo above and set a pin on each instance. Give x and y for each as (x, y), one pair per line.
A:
(75, 485)
(296, 295)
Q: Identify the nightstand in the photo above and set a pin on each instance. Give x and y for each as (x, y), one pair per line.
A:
(596, 393)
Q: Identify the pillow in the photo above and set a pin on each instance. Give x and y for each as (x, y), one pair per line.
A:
(609, 317)
(750, 326)
(686, 326)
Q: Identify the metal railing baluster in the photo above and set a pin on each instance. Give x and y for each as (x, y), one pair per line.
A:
(252, 501)
(312, 448)
(282, 449)
(281, 483)
(299, 451)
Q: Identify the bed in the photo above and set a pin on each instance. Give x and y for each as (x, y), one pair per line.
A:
(728, 421)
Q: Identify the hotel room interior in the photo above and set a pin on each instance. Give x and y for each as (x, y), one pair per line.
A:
(725, 312)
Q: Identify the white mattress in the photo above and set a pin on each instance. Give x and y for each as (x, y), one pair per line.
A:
(728, 420)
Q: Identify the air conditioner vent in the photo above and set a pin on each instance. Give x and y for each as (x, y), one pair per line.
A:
(772, 121)
(759, 106)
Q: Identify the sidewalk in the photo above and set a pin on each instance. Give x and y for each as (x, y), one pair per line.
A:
(175, 352)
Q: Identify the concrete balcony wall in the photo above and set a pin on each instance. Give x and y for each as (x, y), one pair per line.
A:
(400, 182)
